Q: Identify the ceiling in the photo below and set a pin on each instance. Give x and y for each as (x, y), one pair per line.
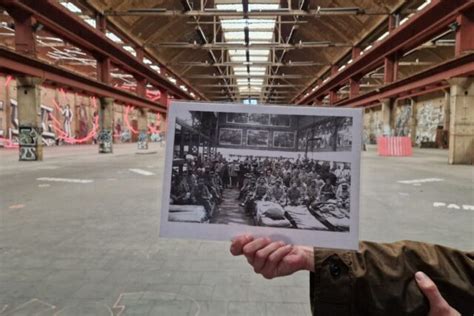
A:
(265, 51)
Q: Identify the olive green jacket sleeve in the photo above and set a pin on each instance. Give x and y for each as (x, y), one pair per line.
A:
(379, 279)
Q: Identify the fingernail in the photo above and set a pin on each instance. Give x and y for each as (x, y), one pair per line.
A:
(420, 276)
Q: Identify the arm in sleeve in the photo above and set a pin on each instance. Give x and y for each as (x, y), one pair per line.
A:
(379, 279)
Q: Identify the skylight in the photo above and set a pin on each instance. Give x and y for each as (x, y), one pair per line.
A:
(250, 78)
(113, 37)
(71, 7)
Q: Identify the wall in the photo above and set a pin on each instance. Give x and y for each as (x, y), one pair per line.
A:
(429, 112)
(373, 126)
(66, 118)
(429, 115)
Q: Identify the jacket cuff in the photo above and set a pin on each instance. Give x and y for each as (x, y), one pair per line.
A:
(331, 283)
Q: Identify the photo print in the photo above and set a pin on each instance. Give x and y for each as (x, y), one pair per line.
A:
(233, 169)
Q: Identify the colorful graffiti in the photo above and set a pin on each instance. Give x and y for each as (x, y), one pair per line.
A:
(373, 127)
(28, 141)
(429, 117)
(48, 134)
(105, 141)
(402, 121)
(143, 140)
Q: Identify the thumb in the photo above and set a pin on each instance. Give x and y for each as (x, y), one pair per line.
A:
(430, 290)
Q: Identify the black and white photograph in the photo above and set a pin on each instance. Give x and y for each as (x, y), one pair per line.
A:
(257, 137)
(295, 174)
(284, 139)
(230, 136)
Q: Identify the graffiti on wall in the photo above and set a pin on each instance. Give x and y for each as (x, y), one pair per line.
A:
(143, 140)
(83, 121)
(48, 134)
(13, 130)
(429, 117)
(402, 121)
(373, 127)
(67, 120)
(105, 141)
(28, 141)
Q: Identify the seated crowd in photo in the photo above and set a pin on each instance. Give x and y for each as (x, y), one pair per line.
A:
(309, 183)
(287, 182)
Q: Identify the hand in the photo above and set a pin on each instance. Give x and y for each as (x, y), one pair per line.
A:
(273, 259)
(438, 305)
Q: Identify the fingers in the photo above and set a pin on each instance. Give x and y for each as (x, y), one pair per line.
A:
(238, 243)
(438, 305)
(252, 247)
(262, 255)
(273, 261)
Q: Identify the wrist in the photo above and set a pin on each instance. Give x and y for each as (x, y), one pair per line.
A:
(309, 258)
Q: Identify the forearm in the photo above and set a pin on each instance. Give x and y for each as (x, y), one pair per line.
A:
(380, 277)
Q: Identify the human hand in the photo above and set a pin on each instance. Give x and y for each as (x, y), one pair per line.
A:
(438, 305)
(273, 259)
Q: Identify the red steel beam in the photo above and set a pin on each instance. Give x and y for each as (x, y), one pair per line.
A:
(14, 63)
(461, 66)
(71, 28)
(420, 28)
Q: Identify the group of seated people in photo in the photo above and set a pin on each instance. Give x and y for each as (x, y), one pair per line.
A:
(312, 184)
(288, 190)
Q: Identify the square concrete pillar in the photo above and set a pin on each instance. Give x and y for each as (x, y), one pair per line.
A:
(142, 129)
(461, 122)
(413, 122)
(29, 130)
(106, 125)
(387, 121)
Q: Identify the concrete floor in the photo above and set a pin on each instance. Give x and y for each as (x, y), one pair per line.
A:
(92, 248)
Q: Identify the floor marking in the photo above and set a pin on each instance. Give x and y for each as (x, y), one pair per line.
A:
(16, 206)
(44, 185)
(465, 207)
(419, 181)
(119, 308)
(65, 180)
(142, 172)
(33, 300)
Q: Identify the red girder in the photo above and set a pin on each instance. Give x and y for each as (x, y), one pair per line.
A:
(416, 31)
(15, 63)
(417, 84)
(72, 29)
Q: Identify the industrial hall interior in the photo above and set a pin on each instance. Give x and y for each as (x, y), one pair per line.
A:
(121, 120)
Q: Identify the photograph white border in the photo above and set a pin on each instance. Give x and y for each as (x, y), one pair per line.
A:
(326, 239)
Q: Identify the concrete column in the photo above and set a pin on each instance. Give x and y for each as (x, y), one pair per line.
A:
(447, 110)
(106, 125)
(413, 122)
(29, 131)
(461, 129)
(142, 129)
(387, 105)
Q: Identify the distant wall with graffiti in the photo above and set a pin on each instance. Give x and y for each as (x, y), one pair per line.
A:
(429, 116)
(373, 126)
(429, 112)
(65, 117)
(403, 114)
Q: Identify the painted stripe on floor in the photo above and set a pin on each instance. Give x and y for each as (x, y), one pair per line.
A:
(65, 180)
(420, 180)
(142, 172)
